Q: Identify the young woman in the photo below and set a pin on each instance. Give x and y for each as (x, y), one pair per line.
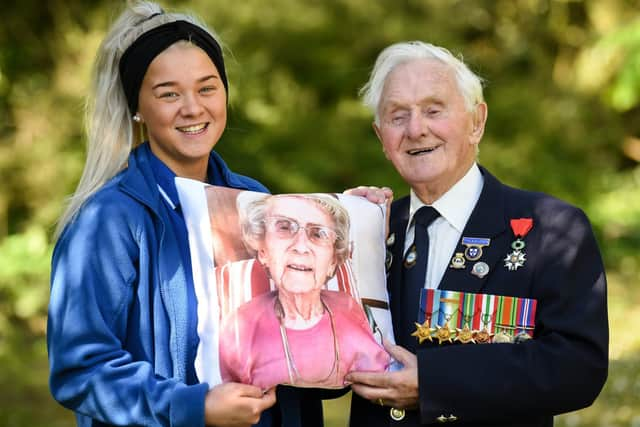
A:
(122, 318)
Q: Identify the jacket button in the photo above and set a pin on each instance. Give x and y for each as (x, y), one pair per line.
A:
(397, 414)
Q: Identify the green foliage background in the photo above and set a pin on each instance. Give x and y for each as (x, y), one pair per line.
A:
(562, 84)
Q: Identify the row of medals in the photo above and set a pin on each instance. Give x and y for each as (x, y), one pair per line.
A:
(466, 335)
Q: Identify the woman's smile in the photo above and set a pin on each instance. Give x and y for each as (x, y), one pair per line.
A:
(193, 129)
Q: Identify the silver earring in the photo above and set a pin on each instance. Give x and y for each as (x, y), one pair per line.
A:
(136, 118)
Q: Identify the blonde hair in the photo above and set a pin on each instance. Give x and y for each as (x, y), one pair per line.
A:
(111, 133)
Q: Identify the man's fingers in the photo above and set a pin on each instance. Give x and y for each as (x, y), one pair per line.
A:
(373, 379)
(366, 392)
(400, 354)
(389, 396)
(373, 194)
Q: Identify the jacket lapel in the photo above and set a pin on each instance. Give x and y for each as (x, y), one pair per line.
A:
(395, 248)
(486, 221)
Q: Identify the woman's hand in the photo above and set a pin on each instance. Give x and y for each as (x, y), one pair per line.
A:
(235, 404)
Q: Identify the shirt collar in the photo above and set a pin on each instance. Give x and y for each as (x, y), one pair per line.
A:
(166, 181)
(456, 205)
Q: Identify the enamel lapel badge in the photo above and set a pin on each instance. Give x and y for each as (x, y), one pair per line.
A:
(474, 246)
(458, 262)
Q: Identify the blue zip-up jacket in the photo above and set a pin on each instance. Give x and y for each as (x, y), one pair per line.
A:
(117, 327)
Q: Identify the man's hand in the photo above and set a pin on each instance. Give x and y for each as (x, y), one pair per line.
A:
(376, 195)
(373, 194)
(397, 389)
(236, 405)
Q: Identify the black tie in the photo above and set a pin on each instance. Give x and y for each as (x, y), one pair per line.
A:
(414, 272)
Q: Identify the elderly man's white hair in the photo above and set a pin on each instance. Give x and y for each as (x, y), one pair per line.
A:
(469, 83)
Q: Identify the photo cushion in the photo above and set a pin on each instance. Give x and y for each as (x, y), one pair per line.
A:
(246, 285)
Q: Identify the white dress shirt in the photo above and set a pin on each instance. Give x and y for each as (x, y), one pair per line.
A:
(455, 207)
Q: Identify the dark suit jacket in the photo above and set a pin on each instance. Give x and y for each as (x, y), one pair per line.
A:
(562, 369)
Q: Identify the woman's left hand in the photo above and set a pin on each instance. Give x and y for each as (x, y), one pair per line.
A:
(236, 405)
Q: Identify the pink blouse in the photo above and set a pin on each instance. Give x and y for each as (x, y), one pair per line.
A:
(252, 346)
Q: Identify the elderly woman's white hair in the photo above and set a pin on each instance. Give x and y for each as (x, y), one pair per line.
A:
(469, 83)
(253, 209)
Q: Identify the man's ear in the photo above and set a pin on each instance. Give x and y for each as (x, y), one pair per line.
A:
(479, 120)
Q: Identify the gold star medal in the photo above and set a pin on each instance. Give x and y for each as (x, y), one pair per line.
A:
(465, 335)
(443, 333)
(483, 336)
(422, 332)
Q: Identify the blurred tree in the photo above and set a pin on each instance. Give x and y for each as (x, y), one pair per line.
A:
(562, 83)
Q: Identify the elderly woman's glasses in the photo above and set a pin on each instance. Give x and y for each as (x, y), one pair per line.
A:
(287, 228)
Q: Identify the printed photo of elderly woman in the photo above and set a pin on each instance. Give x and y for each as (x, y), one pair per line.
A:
(291, 288)
(300, 333)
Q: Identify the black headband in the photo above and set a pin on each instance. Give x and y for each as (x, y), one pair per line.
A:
(136, 59)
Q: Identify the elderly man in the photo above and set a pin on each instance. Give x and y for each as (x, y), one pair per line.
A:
(462, 230)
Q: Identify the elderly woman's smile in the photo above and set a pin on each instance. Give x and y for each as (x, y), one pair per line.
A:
(299, 267)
